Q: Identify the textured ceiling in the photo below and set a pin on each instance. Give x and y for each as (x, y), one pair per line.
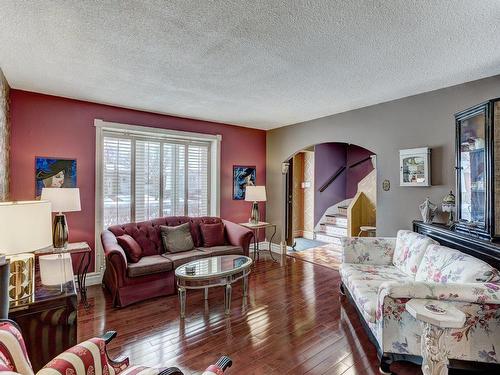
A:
(262, 64)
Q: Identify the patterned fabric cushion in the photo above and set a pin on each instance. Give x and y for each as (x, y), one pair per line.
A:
(140, 370)
(365, 294)
(443, 265)
(410, 249)
(213, 234)
(132, 249)
(13, 353)
(363, 281)
(368, 250)
(177, 239)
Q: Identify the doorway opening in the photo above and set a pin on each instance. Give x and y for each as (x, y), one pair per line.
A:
(330, 192)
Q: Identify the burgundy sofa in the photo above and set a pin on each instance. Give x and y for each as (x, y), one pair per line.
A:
(153, 275)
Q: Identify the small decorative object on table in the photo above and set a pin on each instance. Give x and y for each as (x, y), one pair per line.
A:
(448, 205)
(190, 270)
(428, 210)
(435, 325)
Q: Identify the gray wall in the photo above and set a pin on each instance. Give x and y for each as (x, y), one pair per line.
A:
(416, 121)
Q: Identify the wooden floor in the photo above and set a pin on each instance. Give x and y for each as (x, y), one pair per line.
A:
(293, 322)
(328, 255)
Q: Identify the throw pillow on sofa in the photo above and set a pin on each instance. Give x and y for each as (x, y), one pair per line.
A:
(213, 234)
(177, 239)
(132, 249)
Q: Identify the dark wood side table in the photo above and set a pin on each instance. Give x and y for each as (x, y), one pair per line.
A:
(48, 322)
(255, 228)
(85, 251)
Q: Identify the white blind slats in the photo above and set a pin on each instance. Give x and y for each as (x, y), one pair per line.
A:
(147, 180)
(140, 173)
(117, 181)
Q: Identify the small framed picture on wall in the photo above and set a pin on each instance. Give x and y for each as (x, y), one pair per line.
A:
(243, 176)
(54, 173)
(415, 166)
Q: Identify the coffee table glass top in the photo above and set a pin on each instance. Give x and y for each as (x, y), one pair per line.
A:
(214, 266)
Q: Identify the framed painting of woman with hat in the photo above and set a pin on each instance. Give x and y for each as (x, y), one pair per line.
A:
(54, 173)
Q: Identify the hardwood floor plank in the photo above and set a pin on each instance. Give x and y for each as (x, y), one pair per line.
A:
(292, 322)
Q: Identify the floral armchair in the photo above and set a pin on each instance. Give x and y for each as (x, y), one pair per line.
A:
(381, 274)
(88, 357)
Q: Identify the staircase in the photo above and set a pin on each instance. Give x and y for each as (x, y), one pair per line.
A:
(333, 225)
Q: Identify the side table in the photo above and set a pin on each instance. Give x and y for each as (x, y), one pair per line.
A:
(255, 228)
(435, 329)
(82, 248)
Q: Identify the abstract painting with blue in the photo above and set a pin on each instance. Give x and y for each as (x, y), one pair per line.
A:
(243, 176)
(54, 173)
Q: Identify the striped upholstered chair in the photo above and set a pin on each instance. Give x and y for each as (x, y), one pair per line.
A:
(88, 357)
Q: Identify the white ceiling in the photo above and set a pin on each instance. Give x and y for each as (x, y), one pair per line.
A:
(261, 64)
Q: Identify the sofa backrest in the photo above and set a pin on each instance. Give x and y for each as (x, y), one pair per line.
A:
(148, 236)
(409, 251)
(441, 264)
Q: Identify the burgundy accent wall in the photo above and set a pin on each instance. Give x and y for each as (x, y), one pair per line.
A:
(356, 174)
(44, 125)
(328, 158)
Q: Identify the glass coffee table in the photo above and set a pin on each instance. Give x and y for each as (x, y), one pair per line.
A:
(211, 272)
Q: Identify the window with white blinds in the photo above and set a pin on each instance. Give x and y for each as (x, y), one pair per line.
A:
(148, 177)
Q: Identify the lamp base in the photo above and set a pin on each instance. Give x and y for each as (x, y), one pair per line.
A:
(21, 279)
(4, 289)
(254, 217)
(60, 232)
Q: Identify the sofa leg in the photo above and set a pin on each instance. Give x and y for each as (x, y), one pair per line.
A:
(342, 290)
(385, 365)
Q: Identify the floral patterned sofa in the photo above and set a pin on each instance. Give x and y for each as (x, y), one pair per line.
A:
(381, 274)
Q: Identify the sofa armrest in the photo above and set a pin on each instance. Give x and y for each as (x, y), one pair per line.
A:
(115, 255)
(238, 235)
(480, 293)
(368, 250)
(72, 359)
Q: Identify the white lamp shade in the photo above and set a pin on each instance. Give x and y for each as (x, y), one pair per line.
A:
(255, 193)
(56, 269)
(62, 199)
(25, 226)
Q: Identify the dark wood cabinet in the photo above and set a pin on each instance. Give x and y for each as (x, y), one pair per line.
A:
(478, 170)
(48, 323)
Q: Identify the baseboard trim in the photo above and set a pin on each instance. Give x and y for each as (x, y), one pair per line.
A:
(263, 245)
(93, 278)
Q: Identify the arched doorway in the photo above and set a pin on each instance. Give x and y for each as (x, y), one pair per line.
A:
(330, 192)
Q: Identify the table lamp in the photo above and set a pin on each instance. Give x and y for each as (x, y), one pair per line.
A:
(255, 194)
(63, 200)
(448, 205)
(56, 270)
(25, 229)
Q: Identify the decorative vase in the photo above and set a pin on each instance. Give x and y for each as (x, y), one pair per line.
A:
(428, 210)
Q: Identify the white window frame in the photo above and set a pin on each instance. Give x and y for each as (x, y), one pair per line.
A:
(102, 126)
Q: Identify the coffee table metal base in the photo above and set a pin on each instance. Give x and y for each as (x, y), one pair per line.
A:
(183, 285)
